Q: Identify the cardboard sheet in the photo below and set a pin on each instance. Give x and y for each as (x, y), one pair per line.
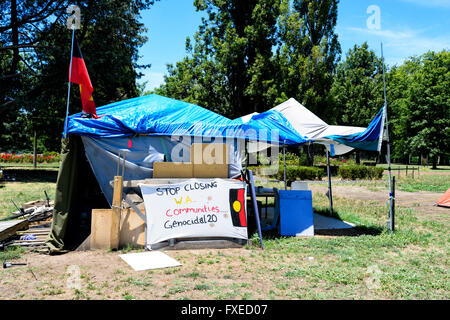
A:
(149, 260)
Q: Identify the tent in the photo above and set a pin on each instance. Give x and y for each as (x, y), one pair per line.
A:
(338, 139)
(154, 128)
(146, 129)
(444, 201)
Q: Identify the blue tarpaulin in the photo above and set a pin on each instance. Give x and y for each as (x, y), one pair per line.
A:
(369, 139)
(157, 115)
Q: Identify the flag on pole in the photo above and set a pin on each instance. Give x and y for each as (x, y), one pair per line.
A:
(80, 76)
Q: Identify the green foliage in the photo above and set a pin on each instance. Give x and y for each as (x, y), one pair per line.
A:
(11, 253)
(229, 68)
(300, 173)
(250, 55)
(419, 91)
(109, 38)
(308, 52)
(358, 87)
(355, 172)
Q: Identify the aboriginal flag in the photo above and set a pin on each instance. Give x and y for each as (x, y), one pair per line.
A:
(237, 207)
(80, 76)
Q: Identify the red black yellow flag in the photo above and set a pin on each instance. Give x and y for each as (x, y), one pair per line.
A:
(237, 207)
(80, 76)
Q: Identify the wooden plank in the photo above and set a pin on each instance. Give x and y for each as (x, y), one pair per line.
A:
(100, 237)
(135, 183)
(36, 233)
(9, 228)
(116, 210)
(132, 228)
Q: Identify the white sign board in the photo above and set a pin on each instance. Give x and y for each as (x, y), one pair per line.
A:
(195, 208)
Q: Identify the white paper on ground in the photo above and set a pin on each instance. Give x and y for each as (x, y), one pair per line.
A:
(149, 260)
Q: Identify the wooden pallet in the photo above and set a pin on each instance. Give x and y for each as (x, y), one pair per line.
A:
(36, 244)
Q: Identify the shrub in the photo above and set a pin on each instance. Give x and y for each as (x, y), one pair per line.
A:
(375, 173)
(354, 172)
(300, 173)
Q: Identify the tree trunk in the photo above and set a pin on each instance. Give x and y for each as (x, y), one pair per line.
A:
(15, 37)
(358, 158)
(35, 150)
(434, 161)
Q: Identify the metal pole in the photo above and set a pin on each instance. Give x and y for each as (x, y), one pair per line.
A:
(388, 143)
(284, 166)
(255, 206)
(68, 90)
(392, 219)
(330, 194)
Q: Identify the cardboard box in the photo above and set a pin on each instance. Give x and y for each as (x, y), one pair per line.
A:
(210, 171)
(208, 160)
(172, 170)
(209, 153)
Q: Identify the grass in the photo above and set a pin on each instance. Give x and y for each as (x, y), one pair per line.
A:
(7, 165)
(432, 183)
(395, 166)
(21, 192)
(411, 263)
(11, 253)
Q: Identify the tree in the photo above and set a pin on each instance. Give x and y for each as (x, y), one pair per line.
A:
(229, 68)
(232, 67)
(423, 105)
(110, 36)
(308, 53)
(358, 87)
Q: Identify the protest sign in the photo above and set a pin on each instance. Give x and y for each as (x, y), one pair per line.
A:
(195, 208)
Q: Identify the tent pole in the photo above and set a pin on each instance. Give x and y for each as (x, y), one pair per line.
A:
(388, 156)
(68, 90)
(330, 194)
(284, 166)
(255, 206)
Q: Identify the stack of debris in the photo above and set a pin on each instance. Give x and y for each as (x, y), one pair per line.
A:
(29, 226)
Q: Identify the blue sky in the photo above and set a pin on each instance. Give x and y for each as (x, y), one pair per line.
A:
(406, 28)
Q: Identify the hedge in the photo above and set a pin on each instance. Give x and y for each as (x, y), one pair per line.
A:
(300, 173)
(355, 172)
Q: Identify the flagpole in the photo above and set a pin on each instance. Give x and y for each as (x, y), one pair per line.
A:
(68, 90)
(391, 217)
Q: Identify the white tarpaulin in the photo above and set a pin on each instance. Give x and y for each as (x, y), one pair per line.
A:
(310, 126)
(195, 208)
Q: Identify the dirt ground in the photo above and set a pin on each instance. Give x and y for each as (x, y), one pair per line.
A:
(205, 273)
